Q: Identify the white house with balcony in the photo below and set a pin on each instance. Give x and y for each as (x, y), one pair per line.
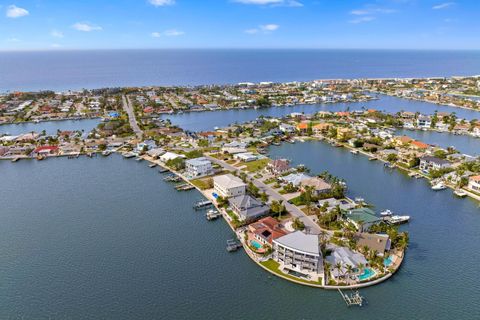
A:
(474, 183)
(198, 167)
(228, 185)
(299, 255)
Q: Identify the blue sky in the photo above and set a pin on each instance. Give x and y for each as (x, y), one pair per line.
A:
(105, 24)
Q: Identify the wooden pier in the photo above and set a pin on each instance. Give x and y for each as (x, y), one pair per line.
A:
(354, 299)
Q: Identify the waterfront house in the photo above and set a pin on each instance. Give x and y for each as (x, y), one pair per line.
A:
(318, 185)
(245, 156)
(170, 156)
(146, 145)
(424, 122)
(331, 203)
(474, 183)
(362, 218)
(378, 242)
(265, 230)
(198, 167)
(45, 150)
(294, 178)
(286, 128)
(402, 141)
(3, 150)
(428, 163)
(278, 167)
(228, 185)
(299, 254)
(155, 153)
(302, 127)
(344, 257)
(343, 134)
(320, 128)
(418, 145)
(247, 208)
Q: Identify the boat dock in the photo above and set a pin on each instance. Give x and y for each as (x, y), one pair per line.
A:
(212, 215)
(172, 178)
(233, 245)
(163, 170)
(184, 187)
(202, 204)
(354, 299)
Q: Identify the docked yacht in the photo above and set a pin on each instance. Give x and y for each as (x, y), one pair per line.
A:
(439, 186)
(398, 219)
(387, 212)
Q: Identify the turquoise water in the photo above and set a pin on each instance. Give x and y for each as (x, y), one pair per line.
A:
(367, 273)
(256, 244)
(387, 261)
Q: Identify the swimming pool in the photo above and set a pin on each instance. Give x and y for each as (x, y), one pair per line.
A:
(387, 261)
(256, 244)
(367, 273)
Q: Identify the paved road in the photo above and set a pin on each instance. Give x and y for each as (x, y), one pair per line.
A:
(127, 106)
(310, 225)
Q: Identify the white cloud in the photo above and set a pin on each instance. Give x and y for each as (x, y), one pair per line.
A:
(13, 39)
(273, 3)
(15, 12)
(264, 28)
(86, 27)
(168, 33)
(56, 45)
(56, 34)
(269, 27)
(161, 3)
(443, 5)
(362, 20)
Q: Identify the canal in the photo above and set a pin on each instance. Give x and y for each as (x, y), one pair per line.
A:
(108, 238)
(203, 121)
(50, 127)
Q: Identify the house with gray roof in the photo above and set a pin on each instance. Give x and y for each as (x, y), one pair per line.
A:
(295, 178)
(299, 255)
(247, 208)
(344, 257)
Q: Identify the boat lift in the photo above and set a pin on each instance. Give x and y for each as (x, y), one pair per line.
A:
(354, 299)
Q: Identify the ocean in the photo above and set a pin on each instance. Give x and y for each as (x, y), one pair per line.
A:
(63, 70)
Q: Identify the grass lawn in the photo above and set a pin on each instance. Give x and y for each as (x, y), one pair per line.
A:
(273, 266)
(203, 184)
(256, 165)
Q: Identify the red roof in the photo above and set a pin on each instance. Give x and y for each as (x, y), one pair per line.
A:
(45, 148)
(420, 144)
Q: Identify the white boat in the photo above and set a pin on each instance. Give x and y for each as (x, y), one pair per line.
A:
(129, 155)
(460, 193)
(398, 219)
(387, 212)
(354, 151)
(359, 200)
(439, 186)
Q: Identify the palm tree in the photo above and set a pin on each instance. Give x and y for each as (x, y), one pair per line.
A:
(365, 249)
(348, 271)
(338, 266)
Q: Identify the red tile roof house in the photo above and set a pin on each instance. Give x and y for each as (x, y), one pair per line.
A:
(264, 231)
(45, 150)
